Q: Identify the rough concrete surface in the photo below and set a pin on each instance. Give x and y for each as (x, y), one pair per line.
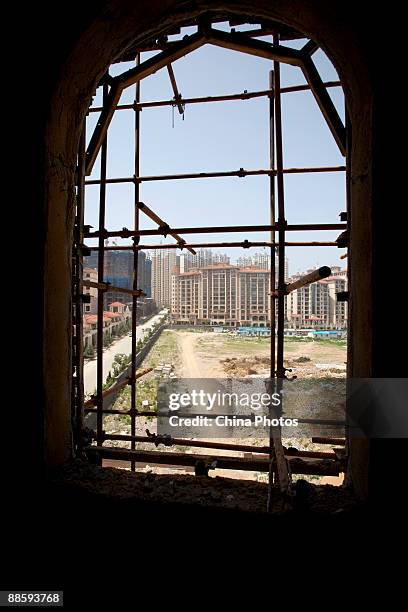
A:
(200, 491)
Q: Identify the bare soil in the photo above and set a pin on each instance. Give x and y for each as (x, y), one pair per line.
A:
(212, 355)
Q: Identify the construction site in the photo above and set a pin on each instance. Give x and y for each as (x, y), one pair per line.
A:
(259, 40)
(98, 443)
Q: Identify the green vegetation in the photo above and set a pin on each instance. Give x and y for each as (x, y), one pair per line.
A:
(165, 350)
(89, 352)
(107, 340)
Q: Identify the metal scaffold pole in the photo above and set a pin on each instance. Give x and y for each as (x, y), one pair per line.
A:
(282, 473)
(78, 362)
(272, 456)
(101, 292)
(135, 266)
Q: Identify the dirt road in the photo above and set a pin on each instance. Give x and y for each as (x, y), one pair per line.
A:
(189, 365)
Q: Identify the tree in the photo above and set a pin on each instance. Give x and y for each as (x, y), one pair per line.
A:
(107, 340)
(89, 351)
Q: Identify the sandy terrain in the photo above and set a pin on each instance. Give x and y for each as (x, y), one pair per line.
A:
(205, 354)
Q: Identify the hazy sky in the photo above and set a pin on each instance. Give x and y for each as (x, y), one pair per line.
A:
(224, 136)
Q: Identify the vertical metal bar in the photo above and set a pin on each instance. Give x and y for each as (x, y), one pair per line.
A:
(349, 304)
(101, 272)
(135, 264)
(272, 309)
(281, 218)
(78, 288)
(282, 473)
(272, 216)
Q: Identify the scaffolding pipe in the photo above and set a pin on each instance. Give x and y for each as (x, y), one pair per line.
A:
(101, 272)
(162, 224)
(272, 220)
(177, 95)
(241, 173)
(282, 473)
(116, 387)
(244, 448)
(223, 98)
(135, 267)
(113, 288)
(78, 383)
(244, 245)
(125, 233)
(313, 277)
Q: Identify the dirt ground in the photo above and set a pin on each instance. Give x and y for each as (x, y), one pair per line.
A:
(212, 355)
(203, 355)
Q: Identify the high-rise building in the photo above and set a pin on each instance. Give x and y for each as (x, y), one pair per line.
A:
(245, 262)
(163, 264)
(227, 295)
(316, 305)
(118, 271)
(221, 294)
(221, 258)
(262, 260)
(147, 279)
(202, 258)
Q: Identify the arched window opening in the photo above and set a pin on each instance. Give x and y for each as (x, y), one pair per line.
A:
(183, 273)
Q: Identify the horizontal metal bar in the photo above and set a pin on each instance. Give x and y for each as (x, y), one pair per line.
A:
(241, 173)
(244, 245)
(245, 95)
(221, 230)
(297, 464)
(245, 448)
(198, 245)
(155, 415)
(325, 440)
(113, 288)
(294, 88)
(146, 413)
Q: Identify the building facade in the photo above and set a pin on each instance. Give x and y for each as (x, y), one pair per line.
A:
(316, 305)
(230, 296)
(221, 294)
(164, 262)
(262, 260)
(91, 274)
(118, 271)
(202, 258)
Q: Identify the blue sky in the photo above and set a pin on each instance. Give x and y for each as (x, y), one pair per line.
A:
(224, 136)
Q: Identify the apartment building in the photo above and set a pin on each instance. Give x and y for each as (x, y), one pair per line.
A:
(316, 305)
(91, 274)
(164, 261)
(202, 258)
(221, 294)
(231, 296)
(118, 271)
(262, 260)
